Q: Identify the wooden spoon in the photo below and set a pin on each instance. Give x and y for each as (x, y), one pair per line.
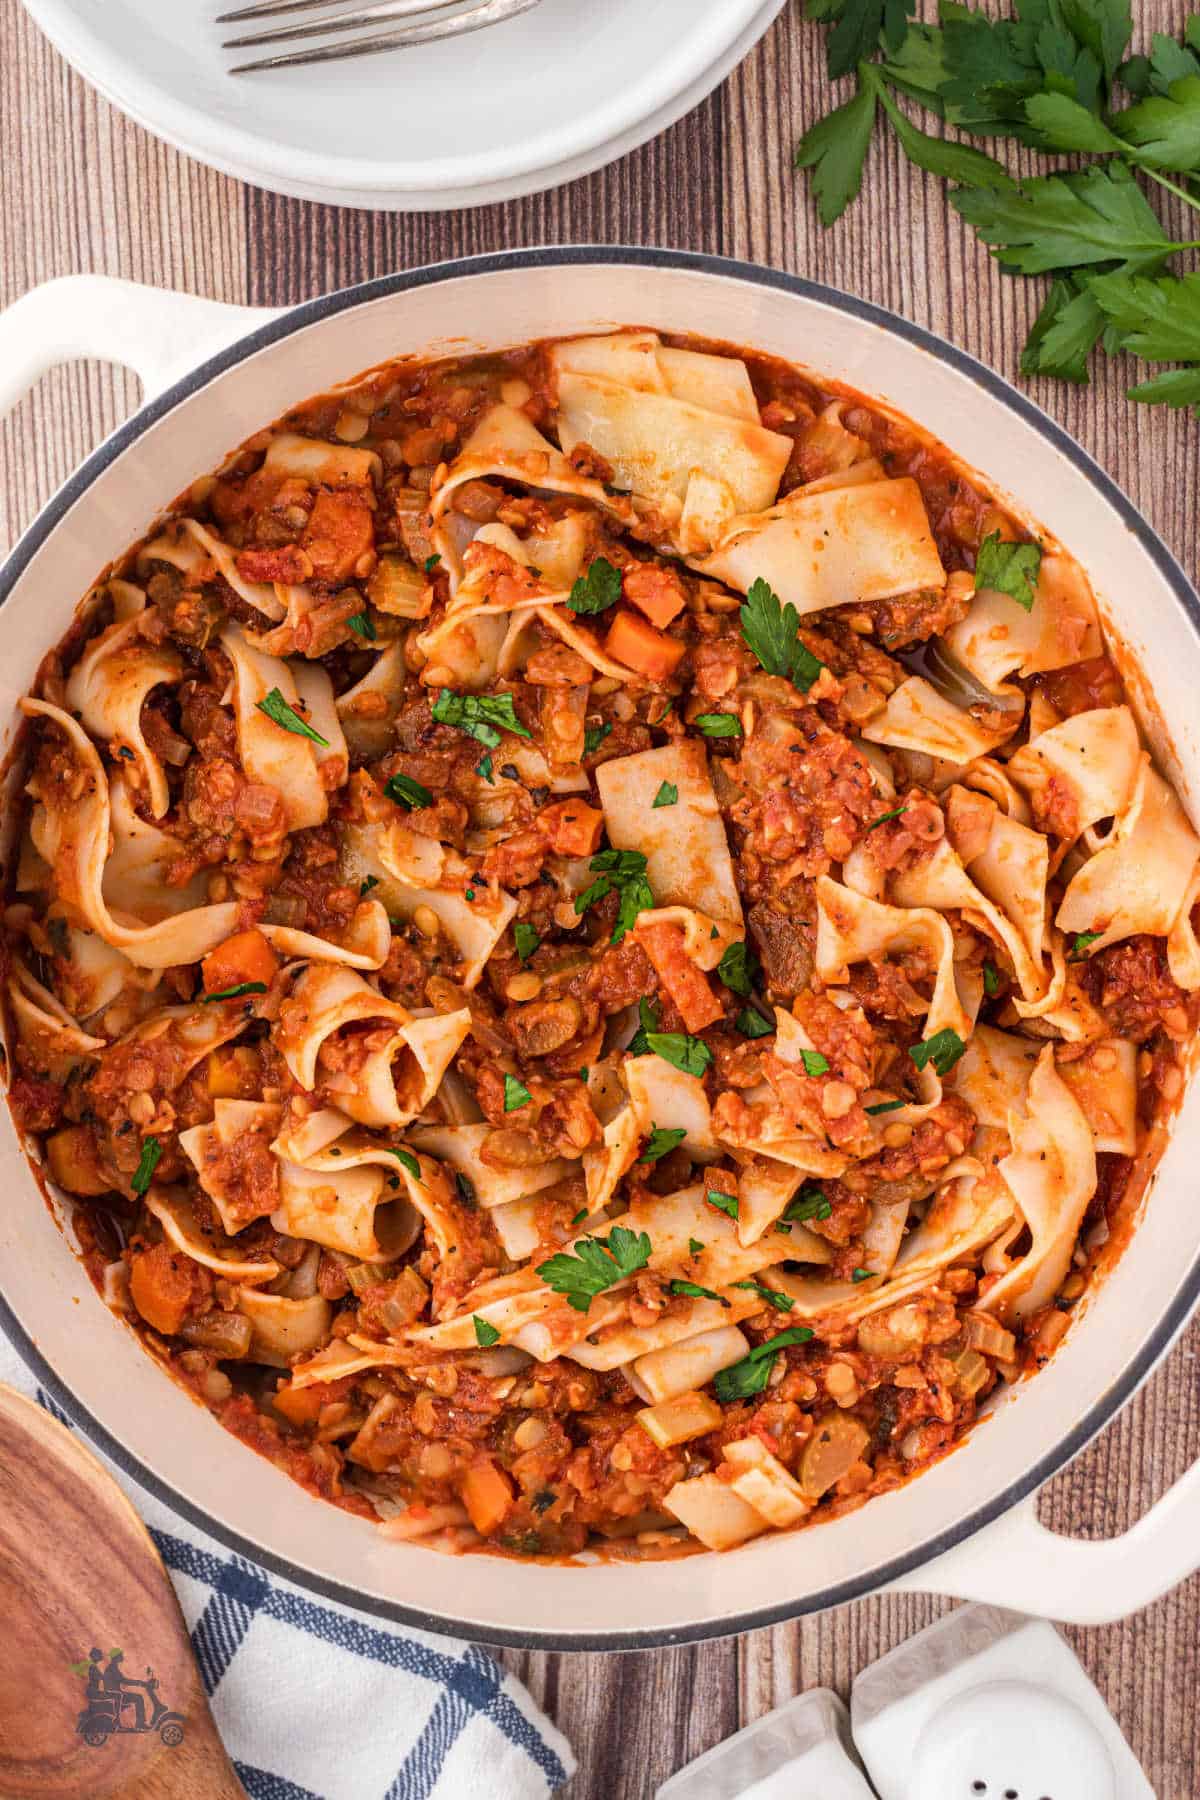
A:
(79, 1573)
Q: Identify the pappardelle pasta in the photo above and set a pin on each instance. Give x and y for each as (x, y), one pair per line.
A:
(594, 946)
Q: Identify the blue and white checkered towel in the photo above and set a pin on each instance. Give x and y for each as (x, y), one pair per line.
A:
(399, 1715)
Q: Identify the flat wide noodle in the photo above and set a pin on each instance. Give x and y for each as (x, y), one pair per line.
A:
(686, 850)
(107, 687)
(1139, 879)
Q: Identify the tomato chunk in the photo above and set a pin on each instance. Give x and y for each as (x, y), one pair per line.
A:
(686, 984)
(654, 590)
(340, 530)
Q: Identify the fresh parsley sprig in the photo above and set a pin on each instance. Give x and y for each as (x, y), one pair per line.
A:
(620, 872)
(481, 716)
(596, 1264)
(772, 632)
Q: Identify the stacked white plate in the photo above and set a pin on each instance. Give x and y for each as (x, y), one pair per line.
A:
(511, 110)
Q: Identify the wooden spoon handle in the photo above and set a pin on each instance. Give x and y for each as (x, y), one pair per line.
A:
(100, 1696)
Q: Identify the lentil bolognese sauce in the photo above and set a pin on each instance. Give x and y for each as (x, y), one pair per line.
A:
(594, 946)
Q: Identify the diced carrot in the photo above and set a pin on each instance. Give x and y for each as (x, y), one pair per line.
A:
(636, 644)
(162, 1285)
(300, 1406)
(572, 828)
(74, 1161)
(246, 956)
(656, 591)
(686, 984)
(487, 1495)
(340, 530)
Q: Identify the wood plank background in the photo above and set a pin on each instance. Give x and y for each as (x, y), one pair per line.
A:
(81, 189)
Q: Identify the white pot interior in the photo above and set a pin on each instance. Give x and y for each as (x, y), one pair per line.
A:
(1131, 1318)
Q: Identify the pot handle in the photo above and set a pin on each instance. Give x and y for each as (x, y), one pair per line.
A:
(157, 333)
(1019, 1564)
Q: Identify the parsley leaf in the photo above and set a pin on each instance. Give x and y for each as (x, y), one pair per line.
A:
(597, 590)
(695, 1247)
(235, 993)
(1065, 332)
(516, 1094)
(942, 1050)
(593, 737)
(432, 562)
(814, 1062)
(690, 1054)
(1155, 318)
(751, 1024)
(808, 1206)
(991, 979)
(858, 26)
(1081, 944)
(639, 1043)
(1167, 62)
(719, 724)
(526, 939)
(667, 795)
(620, 872)
(938, 155)
(695, 1291)
(407, 1160)
(484, 767)
(485, 1334)
(726, 1203)
(662, 1140)
(407, 792)
(835, 149)
(772, 632)
(862, 1275)
(750, 1376)
(1010, 569)
(597, 1264)
(148, 1161)
(738, 968)
(884, 1106)
(280, 713)
(773, 1296)
(481, 716)
(1165, 128)
(363, 626)
(896, 813)
(1099, 215)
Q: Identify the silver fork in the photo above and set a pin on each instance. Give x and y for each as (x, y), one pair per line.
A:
(425, 30)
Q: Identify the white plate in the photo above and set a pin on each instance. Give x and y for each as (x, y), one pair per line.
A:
(532, 103)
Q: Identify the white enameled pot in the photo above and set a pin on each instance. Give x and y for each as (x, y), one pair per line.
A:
(968, 1526)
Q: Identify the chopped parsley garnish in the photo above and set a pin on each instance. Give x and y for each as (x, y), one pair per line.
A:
(695, 1247)
(639, 1043)
(235, 993)
(751, 1024)
(662, 1140)
(883, 818)
(593, 737)
(481, 716)
(366, 884)
(485, 1334)
(596, 1264)
(719, 724)
(726, 1203)
(695, 1292)
(526, 939)
(689, 1054)
(407, 1160)
(738, 968)
(620, 872)
(863, 1275)
(991, 979)
(808, 1206)
(280, 713)
(884, 1106)
(147, 1163)
(751, 1375)
(516, 1094)
(431, 563)
(814, 1062)
(581, 1214)
(667, 795)
(1010, 569)
(466, 1188)
(363, 626)
(1081, 943)
(942, 1050)
(484, 767)
(407, 793)
(597, 590)
(772, 632)
(773, 1296)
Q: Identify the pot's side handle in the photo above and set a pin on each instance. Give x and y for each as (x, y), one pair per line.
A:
(157, 333)
(1018, 1563)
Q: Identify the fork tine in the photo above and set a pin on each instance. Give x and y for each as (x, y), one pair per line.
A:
(377, 12)
(489, 12)
(265, 9)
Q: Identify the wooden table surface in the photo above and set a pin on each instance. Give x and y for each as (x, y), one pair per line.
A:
(81, 189)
